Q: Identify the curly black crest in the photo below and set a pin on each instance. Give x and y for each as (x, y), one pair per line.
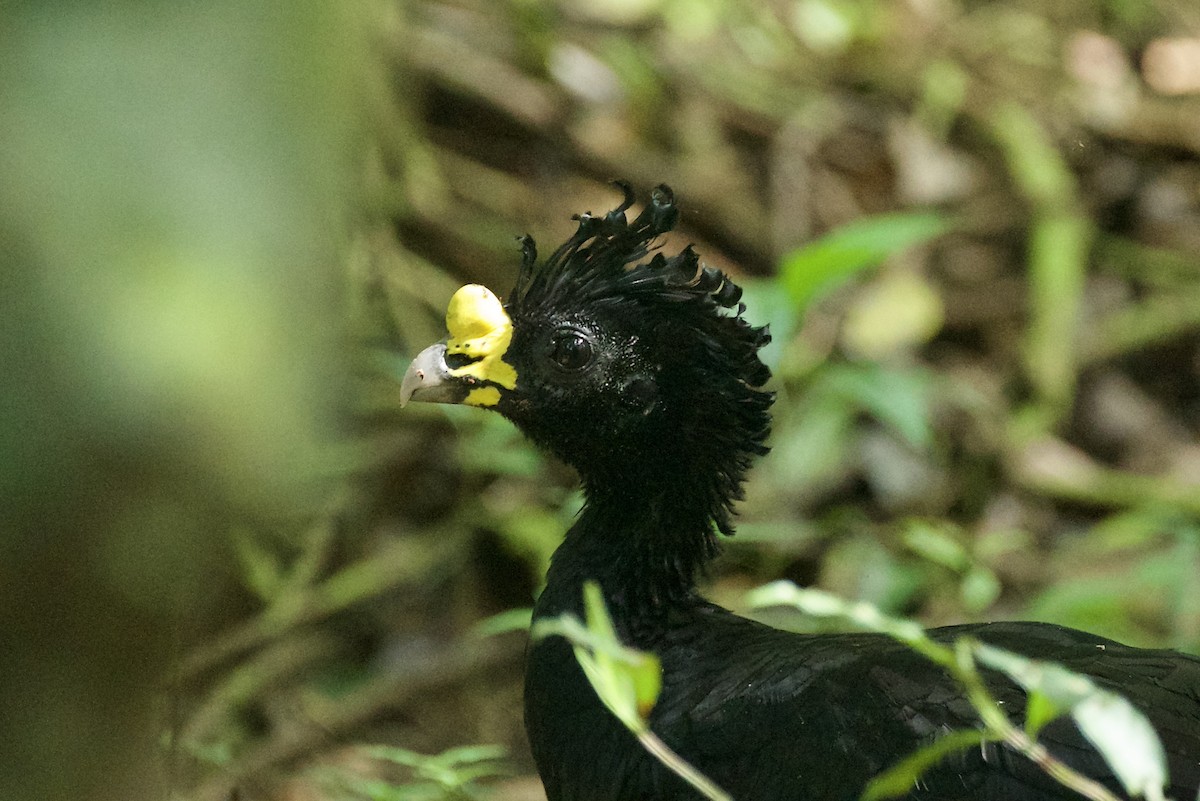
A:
(688, 313)
(598, 256)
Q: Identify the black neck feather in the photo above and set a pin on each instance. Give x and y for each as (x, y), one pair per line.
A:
(656, 503)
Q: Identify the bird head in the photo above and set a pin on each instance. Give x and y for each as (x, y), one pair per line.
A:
(634, 367)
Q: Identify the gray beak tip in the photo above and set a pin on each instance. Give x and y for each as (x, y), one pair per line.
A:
(428, 379)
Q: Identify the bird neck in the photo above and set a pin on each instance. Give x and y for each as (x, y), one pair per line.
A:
(645, 547)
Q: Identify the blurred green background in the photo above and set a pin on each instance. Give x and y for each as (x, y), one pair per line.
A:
(230, 562)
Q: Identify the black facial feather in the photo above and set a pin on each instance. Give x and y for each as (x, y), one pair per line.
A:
(686, 407)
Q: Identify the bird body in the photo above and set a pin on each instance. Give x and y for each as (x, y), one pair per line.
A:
(640, 372)
(769, 714)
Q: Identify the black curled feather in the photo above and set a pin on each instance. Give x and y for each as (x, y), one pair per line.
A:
(608, 261)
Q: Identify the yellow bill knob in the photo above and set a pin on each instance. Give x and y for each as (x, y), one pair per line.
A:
(481, 330)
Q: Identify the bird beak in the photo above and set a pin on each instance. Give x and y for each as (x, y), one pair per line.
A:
(480, 333)
(429, 380)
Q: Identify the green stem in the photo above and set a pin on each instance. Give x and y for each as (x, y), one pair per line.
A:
(1060, 237)
(681, 768)
(1160, 318)
(1045, 467)
(997, 723)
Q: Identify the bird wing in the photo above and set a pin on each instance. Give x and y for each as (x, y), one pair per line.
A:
(763, 711)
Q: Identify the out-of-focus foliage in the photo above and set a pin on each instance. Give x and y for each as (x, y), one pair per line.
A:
(177, 184)
(212, 215)
(986, 361)
(453, 774)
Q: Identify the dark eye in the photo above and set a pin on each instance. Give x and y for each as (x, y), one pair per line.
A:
(571, 350)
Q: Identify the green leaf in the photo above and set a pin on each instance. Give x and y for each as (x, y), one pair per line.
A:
(596, 613)
(826, 26)
(1039, 710)
(979, 589)
(1061, 686)
(627, 681)
(1086, 604)
(632, 680)
(823, 264)
(503, 622)
(463, 755)
(811, 446)
(647, 684)
(1126, 740)
(943, 90)
(900, 399)
(864, 615)
(1058, 259)
(1034, 160)
(936, 544)
(1059, 243)
(262, 572)
(1118, 731)
(450, 774)
(899, 779)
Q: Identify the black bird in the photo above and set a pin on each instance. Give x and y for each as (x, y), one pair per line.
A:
(638, 370)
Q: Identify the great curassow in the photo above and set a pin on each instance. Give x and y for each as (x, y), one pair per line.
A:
(639, 371)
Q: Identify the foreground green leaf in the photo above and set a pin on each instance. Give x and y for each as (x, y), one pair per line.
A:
(1119, 732)
(899, 779)
(626, 680)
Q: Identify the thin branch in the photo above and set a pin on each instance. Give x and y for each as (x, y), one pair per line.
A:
(329, 721)
(681, 767)
(967, 674)
(399, 564)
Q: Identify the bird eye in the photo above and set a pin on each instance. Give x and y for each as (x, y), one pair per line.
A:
(571, 350)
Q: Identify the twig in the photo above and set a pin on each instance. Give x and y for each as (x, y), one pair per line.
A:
(399, 564)
(270, 667)
(1059, 237)
(1054, 469)
(681, 768)
(964, 671)
(1158, 319)
(958, 660)
(330, 720)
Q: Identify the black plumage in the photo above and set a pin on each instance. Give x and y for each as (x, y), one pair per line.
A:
(638, 370)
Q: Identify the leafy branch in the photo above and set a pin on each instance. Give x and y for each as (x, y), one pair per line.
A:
(1115, 728)
(627, 681)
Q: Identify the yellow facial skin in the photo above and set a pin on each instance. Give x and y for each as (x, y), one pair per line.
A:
(481, 330)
